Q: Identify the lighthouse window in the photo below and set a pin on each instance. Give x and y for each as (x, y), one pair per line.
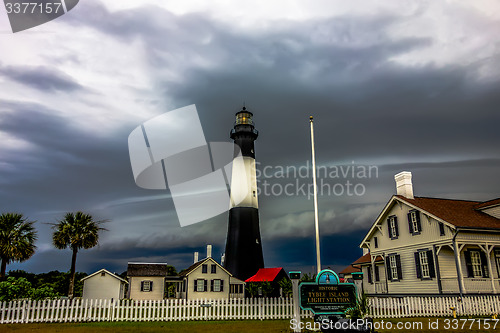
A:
(254, 194)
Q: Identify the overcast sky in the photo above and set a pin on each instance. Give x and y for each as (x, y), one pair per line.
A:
(393, 86)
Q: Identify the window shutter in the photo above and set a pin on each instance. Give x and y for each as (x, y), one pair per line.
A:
(398, 265)
(430, 260)
(221, 285)
(211, 285)
(142, 285)
(410, 225)
(468, 263)
(417, 216)
(397, 227)
(377, 273)
(389, 227)
(195, 285)
(484, 264)
(205, 285)
(388, 268)
(150, 285)
(418, 267)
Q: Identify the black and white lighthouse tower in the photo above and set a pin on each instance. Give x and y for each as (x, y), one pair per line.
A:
(243, 256)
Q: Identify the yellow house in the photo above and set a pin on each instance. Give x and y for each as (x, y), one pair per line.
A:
(103, 285)
(420, 245)
(146, 280)
(207, 279)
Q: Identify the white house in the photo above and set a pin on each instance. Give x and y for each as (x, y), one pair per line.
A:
(207, 279)
(103, 285)
(146, 280)
(420, 245)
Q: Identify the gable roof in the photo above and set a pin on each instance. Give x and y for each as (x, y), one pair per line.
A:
(107, 272)
(459, 214)
(146, 269)
(487, 204)
(265, 274)
(366, 259)
(194, 266)
(350, 269)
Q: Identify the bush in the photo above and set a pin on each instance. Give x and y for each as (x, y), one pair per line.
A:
(20, 288)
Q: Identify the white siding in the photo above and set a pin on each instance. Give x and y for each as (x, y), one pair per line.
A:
(158, 287)
(493, 211)
(102, 287)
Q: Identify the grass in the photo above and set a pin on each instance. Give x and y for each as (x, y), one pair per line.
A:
(266, 326)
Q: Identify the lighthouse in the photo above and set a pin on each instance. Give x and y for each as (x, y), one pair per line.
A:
(243, 256)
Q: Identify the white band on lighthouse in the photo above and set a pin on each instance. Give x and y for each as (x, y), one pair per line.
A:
(244, 183)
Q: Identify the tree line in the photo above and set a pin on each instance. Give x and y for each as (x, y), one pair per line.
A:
(18, 235)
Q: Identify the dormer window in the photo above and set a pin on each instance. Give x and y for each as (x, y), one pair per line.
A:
(392, 225)
(414, 224)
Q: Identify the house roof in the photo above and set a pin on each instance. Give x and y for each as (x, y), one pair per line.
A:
(107, 272)
(146, 269)
(265, 274)
(350, 269)
(366, 259)
(460, 213)
(197, 264)
(486, 204)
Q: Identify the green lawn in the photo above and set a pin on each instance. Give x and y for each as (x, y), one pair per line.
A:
(266, 326)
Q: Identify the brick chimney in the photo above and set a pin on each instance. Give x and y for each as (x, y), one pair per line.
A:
(404, 186)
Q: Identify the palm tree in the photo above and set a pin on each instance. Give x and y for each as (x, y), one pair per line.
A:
(17, 239)
(76, 231)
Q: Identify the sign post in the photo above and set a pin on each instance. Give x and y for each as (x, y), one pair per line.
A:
(295, 277)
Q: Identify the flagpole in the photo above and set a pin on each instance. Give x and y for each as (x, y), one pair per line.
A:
(316, 223)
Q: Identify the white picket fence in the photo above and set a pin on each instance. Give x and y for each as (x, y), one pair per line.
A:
(77, 310)
(436, 306)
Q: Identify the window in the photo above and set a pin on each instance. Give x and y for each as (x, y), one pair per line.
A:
(377, 274)
(424, 264)
(146, 286)
(213, 269)
(103, 274)
(200, 285)
(393, 267)
(392, 224)
(476, 263)
(369, 274)
(441, 229)
(414, 222)
(217, 285)
(204, 268)
(375, 242)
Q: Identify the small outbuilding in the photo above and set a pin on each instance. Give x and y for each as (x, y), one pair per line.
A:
(146, 280)
(103, 285)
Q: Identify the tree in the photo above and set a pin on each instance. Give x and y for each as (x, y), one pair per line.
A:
(17, 239)
(76, 231)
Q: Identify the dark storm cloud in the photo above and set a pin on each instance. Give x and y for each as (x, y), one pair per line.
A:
(367, 107)
(42, 78)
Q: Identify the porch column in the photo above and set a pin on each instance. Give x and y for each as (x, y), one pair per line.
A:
(489, 249)
(457, 250)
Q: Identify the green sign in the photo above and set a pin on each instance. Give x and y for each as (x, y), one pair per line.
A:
(327, 295)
